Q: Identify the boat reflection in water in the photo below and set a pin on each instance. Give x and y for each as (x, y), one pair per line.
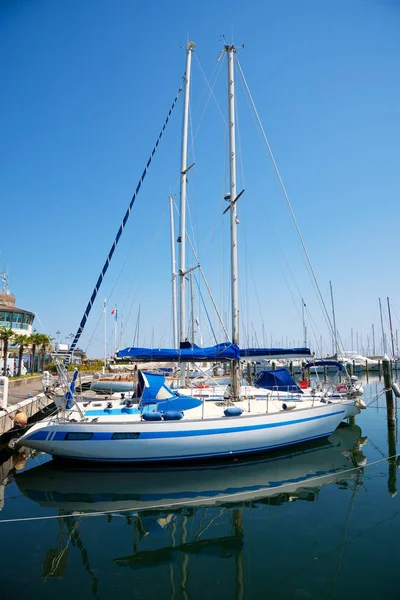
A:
(180, 512)
(75, 487)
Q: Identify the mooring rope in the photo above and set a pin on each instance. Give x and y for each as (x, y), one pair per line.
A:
(117, 237)
(196, 501)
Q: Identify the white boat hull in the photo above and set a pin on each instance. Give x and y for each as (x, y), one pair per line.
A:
(87, 488)
(187, 439)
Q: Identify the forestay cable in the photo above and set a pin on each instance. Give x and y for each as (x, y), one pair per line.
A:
(117, 237)
(287, 199)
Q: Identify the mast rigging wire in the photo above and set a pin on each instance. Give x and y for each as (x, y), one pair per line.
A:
(286, 198)
(117, 237)
(196, 257)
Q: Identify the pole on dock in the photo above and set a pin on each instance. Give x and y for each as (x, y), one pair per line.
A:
(387, 379)
(249, 374)
(349, 368)
(392, 478)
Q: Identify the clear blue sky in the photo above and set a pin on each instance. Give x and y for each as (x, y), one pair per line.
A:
(86, 87)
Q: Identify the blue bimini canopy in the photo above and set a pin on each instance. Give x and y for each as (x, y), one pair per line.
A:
(278, 380)
(152, 389)
(192, 353)
(324, 363)
(275, 352)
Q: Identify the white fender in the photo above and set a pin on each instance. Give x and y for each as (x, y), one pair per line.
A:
(288, 405)
(396, 389)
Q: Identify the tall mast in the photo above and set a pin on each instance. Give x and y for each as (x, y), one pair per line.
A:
(373, 340)
(105, 331)
(234, 260)
(182, 238)
(115, 330)
(173, 268)
(138, 326)
(121, 331)
(191, 307)
(391, 329)
(304, 323)
(383, 331)
(334, 324)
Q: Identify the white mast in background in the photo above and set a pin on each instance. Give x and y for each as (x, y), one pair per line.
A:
(231, 50)
(105, 332)
(173, 265)
(184, 170)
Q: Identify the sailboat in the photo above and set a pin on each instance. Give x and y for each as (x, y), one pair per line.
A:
(285, 472)
(226, 427)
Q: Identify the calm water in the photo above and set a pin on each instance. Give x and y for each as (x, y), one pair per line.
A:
(301, 524)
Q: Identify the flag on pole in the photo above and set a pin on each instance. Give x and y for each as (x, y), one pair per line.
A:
(115, 312)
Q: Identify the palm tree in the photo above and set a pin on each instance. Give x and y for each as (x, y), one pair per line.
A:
(34, 339)
(45, 344)
(22, 341)
(6, 336)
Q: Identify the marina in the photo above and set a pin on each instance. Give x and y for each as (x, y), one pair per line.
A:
(288, 524)
(202, 400)
(164, 426)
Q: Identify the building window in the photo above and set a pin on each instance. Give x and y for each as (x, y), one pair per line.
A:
(17, 320)
(28, 319)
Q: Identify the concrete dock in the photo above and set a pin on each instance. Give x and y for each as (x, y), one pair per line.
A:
(25, 395)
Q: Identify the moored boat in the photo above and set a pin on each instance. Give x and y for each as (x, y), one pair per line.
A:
(60, 484)
(157, 429)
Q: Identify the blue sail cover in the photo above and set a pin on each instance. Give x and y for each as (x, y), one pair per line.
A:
(325, 363)
(193, 353)
(224, 351)
(278, 380)
(274, 352)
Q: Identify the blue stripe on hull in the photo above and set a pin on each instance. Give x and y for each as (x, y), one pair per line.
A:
(202, 455)
(39, 435)
(147, 435)
(189, 433)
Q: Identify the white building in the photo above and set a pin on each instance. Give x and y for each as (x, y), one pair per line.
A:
(17, 319)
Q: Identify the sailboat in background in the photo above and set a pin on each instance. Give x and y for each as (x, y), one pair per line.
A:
(226, 427)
